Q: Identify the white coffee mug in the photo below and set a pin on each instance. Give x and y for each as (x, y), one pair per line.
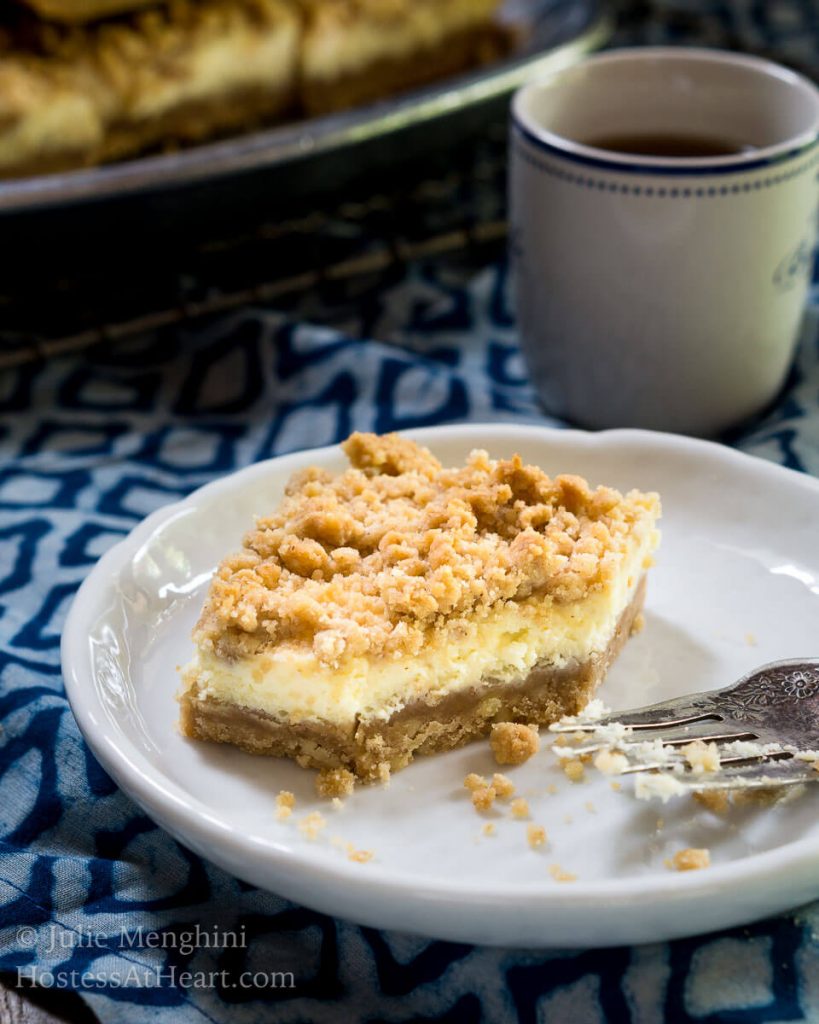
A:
(663, 292)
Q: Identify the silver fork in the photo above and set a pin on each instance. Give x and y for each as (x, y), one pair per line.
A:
(776, 705)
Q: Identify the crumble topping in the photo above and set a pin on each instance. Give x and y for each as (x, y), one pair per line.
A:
(374, 559)
(691, 859)
(335, 783)
(513, 743)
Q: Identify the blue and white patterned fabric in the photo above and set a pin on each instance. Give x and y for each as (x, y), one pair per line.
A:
(89, 446)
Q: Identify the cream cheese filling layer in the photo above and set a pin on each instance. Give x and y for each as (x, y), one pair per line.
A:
(505, 646)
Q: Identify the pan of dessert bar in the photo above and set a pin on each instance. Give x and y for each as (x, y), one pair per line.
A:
(189, 105)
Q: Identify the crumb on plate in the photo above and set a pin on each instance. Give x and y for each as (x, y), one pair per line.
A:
(559, 875)
(311, 825)
(503, 786)
(573, 769)
(513, 743)
(474, 781)
(536, 836)
(285, 802)
(361, 856)
(701, 756)
(691, 859)
(520, 808)
(335, 782)
(489, 829)
(483, 798)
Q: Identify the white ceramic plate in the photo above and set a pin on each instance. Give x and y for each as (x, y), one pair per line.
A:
(736, 585)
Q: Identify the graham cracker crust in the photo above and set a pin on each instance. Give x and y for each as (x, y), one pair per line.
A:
(371, 749)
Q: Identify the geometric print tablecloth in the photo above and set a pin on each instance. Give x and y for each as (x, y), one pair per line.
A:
(90, 445)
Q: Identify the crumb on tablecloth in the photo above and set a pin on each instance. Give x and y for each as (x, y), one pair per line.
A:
(360, 856)
(513, 743)
(335, 782)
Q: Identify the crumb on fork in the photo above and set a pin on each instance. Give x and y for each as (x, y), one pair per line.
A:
(335, 782)
(513, 743)
(285, 802)
(701, 756)
(691, 859)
